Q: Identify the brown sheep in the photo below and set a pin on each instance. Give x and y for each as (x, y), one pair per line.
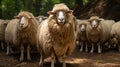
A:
(22, 32)
(82, 34)
(3, 24)
(98, 32)
(56, 35)
(115, 35)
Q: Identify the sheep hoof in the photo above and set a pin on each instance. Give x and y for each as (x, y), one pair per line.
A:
(99, 51)
(81, 50)
(91, 51)
(21, 59)
(86, 50)
(29, 59)
(7, 53)
(40, 64)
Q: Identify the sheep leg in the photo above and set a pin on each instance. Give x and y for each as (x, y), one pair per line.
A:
(99, 48)
(92, 49)
(41, 59)
(81, 49)
(2, 45)
(86, 47)
(28, 53)
(52, 61)
(22, 53)
(119, 48)
(11, 51)
(8, 49)
(64, 58)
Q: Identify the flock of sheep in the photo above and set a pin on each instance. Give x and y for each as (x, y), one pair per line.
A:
(57, 36)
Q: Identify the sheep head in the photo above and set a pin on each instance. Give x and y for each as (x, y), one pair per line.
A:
(41, 18)
(83, 27)
(24, 19)
(94, 21)
(60, 12)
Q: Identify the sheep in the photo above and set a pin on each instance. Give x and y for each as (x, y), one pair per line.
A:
(56, 35)
(40, 18)
(82, 34)
(98, 31)
(11, 34)
(115, 34)
(3, 24)
(22, 32)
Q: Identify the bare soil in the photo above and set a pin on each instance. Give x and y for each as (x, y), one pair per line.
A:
(110, 58)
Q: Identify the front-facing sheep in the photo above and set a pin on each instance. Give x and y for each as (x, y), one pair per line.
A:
(40, 18)
(99, 32)
(82, 34)
(56, 35)
(22, 32)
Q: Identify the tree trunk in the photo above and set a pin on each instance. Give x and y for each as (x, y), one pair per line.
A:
(107, 9)
(37, 6)
(0, 8)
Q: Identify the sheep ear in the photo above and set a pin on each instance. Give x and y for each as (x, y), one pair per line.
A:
(45, 17)
(101, 19)
(70, 11)
(16, 17)
(89, 20)
(36, 17)
(51, 12)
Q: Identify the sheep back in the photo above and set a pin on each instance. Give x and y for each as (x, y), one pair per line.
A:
(11, 31)
(107, 26)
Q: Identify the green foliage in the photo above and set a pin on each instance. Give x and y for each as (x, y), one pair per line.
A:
(10, 8)
(85, 2)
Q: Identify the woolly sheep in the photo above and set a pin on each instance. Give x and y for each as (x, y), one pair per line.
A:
(82, 34)
(22, 32)
(40, 18)
(56, 35)
(3, 24)
(98, 32)
(115, 34)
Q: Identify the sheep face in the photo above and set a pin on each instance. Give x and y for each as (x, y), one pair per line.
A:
(41, 18)
(60, 16)
(82, 27)
(24, 21)
(94, 23)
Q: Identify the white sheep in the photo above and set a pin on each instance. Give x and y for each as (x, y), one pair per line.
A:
(99, 32)
(115, 35)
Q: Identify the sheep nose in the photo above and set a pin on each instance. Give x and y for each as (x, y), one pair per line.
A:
(82, 29)
(21, 25)
(94, 26)
(61, 19)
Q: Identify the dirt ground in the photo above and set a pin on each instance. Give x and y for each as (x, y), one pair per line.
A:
(110, 58)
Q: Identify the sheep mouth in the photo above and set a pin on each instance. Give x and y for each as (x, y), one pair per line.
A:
(60, 23)
(83, 30)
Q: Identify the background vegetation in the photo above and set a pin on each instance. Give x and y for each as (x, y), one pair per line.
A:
(9, 8)
(109, 9)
